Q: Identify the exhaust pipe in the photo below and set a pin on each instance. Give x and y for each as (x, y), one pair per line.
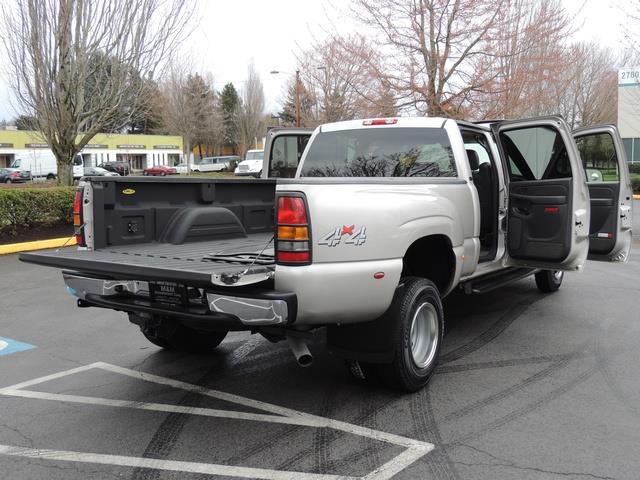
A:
(300, 351)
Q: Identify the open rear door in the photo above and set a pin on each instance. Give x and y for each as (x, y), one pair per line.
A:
(548, 204)
(605, 163)
(283, 149)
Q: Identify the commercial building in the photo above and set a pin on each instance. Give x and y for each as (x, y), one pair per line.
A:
(140, 151)
(629, 111)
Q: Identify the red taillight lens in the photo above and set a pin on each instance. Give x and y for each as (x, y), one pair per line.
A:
(294, 257)
(291, 211)
(15, 174)
(77, 217)
(293, 232)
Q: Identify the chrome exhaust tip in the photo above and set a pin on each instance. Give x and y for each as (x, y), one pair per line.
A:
(300, 351)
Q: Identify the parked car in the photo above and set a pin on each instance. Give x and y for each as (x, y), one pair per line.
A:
(99, 172)
(216, 164)
(182, 168)
(251, 165)
(121, 168)
(13, 175)
(160, 170)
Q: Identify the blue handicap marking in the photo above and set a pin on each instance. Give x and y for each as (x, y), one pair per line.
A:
(9, 346)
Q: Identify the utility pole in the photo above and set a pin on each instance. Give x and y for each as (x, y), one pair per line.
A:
(297, 98)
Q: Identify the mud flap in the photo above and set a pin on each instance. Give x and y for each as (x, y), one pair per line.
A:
(370, 342)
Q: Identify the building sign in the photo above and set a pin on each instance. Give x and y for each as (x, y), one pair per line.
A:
(628, 76)
(6, 145)
(96, 145)
(36, 145)
(166, 147)
(132, 147)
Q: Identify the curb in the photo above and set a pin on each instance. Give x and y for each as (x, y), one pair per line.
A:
(37, 245)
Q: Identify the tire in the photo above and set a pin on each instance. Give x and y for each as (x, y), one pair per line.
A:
(162, 174)
(145, 174)
(171, 335)
(549, 281)
(51, 176)
(8, 180)
(418, 329)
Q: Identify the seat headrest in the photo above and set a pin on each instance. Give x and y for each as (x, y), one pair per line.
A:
(474, 160)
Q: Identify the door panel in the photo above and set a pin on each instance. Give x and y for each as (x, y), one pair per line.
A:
(539, 222)
(548, 209)
(605, 165)
(603, 227)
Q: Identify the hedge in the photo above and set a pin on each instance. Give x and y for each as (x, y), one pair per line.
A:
(635, 183)
(27, 207)
(634, 168)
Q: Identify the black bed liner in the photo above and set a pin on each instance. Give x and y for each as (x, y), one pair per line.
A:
(191, 263)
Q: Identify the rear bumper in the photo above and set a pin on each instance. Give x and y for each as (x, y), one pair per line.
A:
(231, 310)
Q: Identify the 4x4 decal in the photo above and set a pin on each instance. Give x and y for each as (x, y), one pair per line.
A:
(353, 237)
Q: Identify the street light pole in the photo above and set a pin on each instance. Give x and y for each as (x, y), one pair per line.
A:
(297, 98)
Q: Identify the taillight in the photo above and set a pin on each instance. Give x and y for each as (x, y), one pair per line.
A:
(77, 217)
(380, 121)
(15, 174)
(293, 235)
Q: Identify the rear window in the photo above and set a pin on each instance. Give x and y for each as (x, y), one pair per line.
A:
(380, 152)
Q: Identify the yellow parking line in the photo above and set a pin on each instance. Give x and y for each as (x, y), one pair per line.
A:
(37, 245)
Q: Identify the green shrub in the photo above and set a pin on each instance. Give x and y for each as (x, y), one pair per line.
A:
(28, 207)
(634, 168)
(635, 183)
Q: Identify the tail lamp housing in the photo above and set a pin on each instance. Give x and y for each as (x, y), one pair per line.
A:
(78, 225)
(293, 231)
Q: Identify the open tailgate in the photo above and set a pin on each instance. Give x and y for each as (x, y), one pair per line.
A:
(232, 262)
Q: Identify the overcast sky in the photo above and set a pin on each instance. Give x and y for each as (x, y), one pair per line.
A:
(232, 33)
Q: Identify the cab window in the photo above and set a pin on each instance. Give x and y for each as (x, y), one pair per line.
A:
(598, 155)
(536, 153)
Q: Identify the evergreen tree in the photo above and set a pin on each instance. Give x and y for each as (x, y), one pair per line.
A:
(229, 107)
(307, 105)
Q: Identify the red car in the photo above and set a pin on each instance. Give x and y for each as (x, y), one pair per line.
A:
(161, 170)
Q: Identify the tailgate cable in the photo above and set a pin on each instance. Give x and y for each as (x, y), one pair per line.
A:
(242, 274)
(230, 279)
(69, 239)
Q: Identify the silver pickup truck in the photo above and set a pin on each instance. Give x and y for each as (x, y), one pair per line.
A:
(383, 218)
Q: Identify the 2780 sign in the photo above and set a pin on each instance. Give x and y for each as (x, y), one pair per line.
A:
(629, 76)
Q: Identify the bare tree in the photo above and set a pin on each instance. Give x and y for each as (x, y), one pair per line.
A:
(189, 109)
(587, 93)
(528, 52)
(436, 52)
(78, 66)
(251, 115)
(341, 72)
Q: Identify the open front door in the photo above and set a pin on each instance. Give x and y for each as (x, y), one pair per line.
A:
(548, 204)
(605, 163)
(283, 149)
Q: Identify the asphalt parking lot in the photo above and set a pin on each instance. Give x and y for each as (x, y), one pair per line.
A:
(530, 386)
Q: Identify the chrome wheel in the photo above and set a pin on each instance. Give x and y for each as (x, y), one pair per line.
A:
(557, 275)
(424, 335)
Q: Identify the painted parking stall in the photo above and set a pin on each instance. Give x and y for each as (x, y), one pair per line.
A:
(9, 346)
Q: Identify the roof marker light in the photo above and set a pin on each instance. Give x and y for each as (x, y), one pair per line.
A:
(380, 121)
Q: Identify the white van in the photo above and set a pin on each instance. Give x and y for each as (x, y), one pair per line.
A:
(42, 164)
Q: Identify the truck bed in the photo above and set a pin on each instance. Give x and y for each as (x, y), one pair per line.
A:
(196, 263)
(194, 231)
